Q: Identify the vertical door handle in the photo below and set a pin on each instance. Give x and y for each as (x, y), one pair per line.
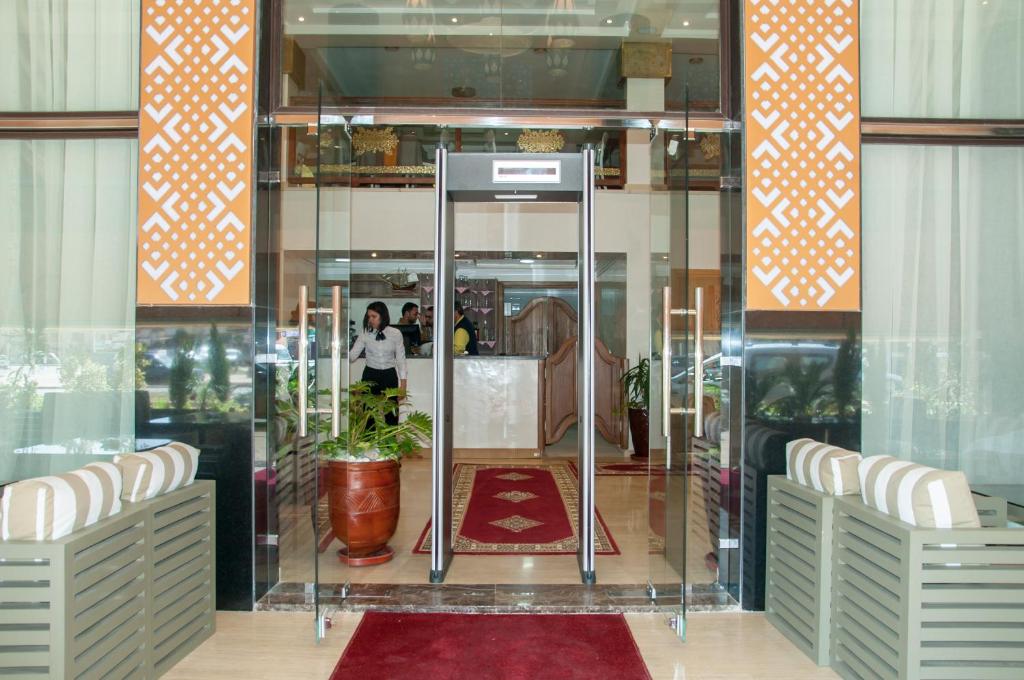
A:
(666, 361)
(698, 364)
(303, 361)
(335, 361)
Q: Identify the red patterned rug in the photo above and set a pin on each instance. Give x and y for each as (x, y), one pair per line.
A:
(517, 509)
(491, 647)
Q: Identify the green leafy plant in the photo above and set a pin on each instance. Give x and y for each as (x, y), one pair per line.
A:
(368, 436)
(182, 379)
(79, 373)
(218, 366)
(636, 384)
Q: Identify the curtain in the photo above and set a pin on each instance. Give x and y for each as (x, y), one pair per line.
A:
(942, 58)
(67, 303)
(69, 55)
(943, 308)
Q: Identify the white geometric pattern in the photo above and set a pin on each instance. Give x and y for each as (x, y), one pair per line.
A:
(195, 156)
(803, 154)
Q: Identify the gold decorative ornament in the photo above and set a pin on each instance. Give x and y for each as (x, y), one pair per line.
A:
(374, 140)
(711, 146)
(540, 141)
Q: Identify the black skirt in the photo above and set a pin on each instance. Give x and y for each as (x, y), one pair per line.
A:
(382, 380)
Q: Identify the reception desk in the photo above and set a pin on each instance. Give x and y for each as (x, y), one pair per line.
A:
(497, 402)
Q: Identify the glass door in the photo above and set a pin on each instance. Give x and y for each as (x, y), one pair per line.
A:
(672, 351)
(326, 356)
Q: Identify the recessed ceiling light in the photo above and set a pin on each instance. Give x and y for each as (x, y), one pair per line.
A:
(373, 254)
(302, 18)
(608, 21)
(455, 20)
(526, 261)
(539, 255)
(686, 23)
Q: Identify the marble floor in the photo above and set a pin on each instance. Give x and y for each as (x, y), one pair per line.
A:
(274, 645)
(621, 500)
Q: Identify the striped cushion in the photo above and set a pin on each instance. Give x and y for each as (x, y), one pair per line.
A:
(917, 494)
(826, 468)
(48, 508)
(148, 474)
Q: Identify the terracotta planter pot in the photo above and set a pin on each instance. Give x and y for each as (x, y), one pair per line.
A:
(638, 431)
(364, 502)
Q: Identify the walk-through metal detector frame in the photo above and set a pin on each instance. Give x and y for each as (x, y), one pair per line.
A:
(520, 177)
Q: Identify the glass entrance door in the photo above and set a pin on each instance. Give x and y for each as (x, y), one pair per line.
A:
(674, 353)
(327, 313)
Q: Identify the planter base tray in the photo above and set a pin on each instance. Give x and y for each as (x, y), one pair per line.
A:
(379, 557)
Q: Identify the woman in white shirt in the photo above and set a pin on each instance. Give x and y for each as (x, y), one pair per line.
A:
(385, 353)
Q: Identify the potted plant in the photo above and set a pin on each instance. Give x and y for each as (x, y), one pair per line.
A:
(363, 471)
(636, 386)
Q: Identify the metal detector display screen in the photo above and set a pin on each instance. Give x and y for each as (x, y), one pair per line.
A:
(528, 172)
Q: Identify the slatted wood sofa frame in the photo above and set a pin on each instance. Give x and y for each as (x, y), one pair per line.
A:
(804, 573)
(922, 604)
(798, 588)
(127, 597)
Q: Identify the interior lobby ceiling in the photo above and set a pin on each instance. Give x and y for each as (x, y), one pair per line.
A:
(501, 51)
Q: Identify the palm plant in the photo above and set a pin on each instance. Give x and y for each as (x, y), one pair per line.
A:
(368, 436)
(636, 382)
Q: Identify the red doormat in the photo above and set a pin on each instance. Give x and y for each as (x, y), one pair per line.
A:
(491, 647)
(630, 469)
(517, 509)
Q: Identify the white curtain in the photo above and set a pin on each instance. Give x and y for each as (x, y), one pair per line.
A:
(67, 303)
(942, 58)
(69, 55)
(943, 319)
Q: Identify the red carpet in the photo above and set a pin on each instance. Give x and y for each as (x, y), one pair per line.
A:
(631, 469)
(517, 509)
(491, 647)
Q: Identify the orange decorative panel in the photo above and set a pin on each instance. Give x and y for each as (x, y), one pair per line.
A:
(195, 151)
(802, 122)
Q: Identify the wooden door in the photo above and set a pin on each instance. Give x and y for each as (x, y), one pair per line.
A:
(542, 327)
(609, 409)
(560, 411)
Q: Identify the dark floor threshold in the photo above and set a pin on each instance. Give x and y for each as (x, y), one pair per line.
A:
(483, 598)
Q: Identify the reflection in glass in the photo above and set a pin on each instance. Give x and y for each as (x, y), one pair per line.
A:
(943, 308)
(69, 363)
(538, 54)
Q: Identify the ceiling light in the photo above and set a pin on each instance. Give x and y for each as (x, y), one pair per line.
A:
(515, 197)
(302, 19)
(686, 23)
(341, 259)
(608, 21)
(539, 255)
(373, 254)
(526, 261)
(455, 20)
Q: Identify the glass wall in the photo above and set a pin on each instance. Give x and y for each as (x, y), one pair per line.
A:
(68, 370)
(69, 55)
(947, 59)
(499, 53)
(944, 308)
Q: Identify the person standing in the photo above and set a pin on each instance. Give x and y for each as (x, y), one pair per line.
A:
(465, 333)
(385, 353)
(409, 325)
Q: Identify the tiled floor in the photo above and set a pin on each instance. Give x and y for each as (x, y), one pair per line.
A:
(280, 645)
